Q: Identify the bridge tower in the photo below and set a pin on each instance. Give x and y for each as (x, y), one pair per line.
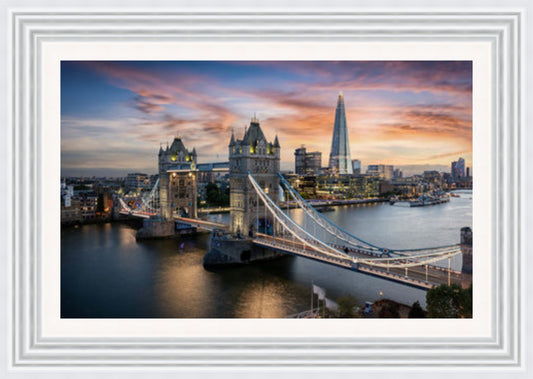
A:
(177, 180)
(254, 154)
(177, 190)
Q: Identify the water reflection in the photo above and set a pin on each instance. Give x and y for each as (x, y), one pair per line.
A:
(263, 299)
(105, 272)
(183, 284)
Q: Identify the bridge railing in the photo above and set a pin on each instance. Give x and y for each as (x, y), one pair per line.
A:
(300, 249)
(292, 228)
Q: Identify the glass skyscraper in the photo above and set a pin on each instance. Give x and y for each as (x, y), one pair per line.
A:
(458, 169)
(340, 161)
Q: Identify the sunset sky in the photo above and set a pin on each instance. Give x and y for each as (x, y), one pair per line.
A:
(114, 115)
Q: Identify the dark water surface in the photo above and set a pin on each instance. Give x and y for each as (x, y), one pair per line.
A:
(106, 273)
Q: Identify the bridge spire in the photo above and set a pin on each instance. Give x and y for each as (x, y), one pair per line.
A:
(232, 140)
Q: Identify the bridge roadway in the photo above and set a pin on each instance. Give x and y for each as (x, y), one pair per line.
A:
(196, 222)
(202, 224)
(412, 270)
(416, 276)
(139, 214)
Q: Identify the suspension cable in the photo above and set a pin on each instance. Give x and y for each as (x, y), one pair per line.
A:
(291, 226)
(319, 218)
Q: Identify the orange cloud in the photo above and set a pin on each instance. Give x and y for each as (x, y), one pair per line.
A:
(397, 111)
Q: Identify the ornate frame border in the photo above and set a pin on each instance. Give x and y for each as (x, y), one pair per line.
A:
(503, 29)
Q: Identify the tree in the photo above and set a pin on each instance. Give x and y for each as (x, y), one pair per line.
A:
(416, 311)
(212, 194)
(100, 206)
(449, 302)
(389, 309)
(465, 309)
(347, 306)
(224, 197)
(215, 197)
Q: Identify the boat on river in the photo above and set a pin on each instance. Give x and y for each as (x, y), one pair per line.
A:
(422, 201)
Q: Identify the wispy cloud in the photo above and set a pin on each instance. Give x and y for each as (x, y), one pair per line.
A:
(398, 112)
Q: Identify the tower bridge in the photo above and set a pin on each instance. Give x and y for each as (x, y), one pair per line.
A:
(261, 229)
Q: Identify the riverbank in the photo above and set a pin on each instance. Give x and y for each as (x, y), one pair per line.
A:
(332, 203)
(316, 203)
(132, 221)
(386, 308)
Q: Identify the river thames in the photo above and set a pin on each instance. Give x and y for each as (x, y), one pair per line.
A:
(106, 273)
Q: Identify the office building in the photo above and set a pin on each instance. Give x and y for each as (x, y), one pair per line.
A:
(458, 169)
(382, 171)
(356, 166)
(307, 163)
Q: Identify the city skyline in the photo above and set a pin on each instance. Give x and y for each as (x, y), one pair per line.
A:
(114, 115)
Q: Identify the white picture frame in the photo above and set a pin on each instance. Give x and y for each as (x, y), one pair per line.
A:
(30, 350)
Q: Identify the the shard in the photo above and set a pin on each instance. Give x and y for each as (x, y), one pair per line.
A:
(340, 161)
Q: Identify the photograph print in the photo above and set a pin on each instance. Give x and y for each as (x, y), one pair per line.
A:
(266, 189)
